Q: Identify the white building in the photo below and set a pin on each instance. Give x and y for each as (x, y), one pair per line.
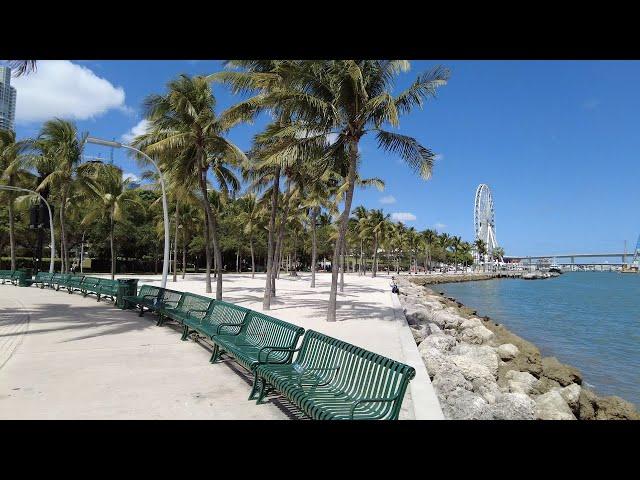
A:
(7, 100)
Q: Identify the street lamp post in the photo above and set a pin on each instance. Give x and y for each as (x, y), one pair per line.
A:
(53, 240)
(113, 144)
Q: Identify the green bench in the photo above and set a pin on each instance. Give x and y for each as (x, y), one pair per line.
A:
(334, 380)
(74, 283)
(153, 299)
(257, 338)
(9, 275)
(40, 279)
(220, 317)
(189, 305)
(107, 288)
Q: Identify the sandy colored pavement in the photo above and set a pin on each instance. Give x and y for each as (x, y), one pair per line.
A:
(76, 358)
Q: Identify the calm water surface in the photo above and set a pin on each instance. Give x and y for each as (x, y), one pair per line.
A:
(590, 320)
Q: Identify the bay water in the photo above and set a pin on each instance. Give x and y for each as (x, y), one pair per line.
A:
(590, 320)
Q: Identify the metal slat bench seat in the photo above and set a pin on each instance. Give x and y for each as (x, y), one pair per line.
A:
(333, 380)
(154, 299)
(190, 304)
(107, 288)
(40, 279)
(89, 286)
(259, 336)
(74, 283)
(221, 317)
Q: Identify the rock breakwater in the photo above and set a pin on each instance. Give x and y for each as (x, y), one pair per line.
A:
(481, 370)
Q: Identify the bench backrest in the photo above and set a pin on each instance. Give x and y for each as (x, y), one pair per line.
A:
(90, 282)
(57, 277)
(146, 290)
(223, 312)
(43, 276)
(262, 330)
(362, 373)
(190, 302)
(172, 297)
(6, 274)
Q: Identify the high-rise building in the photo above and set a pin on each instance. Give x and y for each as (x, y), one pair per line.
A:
(7, 100)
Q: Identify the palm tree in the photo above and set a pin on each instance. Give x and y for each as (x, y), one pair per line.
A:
(59, 141)
(23, 67)
(107, 188)
(444, 242)
(12, 174)
(185, 128)
(429, 237)
(361, 215)
(481, 248)
(250, 219)
(349, 98)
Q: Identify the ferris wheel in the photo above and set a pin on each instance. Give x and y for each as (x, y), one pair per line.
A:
(484, 219)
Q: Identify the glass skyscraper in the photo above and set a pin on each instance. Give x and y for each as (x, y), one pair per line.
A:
(7, 100)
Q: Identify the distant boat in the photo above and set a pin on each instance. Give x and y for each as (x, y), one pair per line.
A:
(554, 268)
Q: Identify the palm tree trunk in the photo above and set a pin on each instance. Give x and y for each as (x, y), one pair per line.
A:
(12, 239)
(253, 261)
(342, 229)
(113, 254)
(280, 242)
(342, 253)
(314, 246)
(266, 301)
(217, 255)
(63, 266)
(184, 253)
(175, 244)
(374, 267)
(207, 223)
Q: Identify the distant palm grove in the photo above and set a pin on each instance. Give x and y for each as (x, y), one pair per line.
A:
(284, 206)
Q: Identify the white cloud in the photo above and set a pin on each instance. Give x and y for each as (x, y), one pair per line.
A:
(332, 137)
(438, 156)
(138, 129)
(439, 226)
(403, 217)
(131, 176)
(59, 88)
(388, 199)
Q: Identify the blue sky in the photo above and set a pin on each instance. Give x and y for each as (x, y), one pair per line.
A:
(557, 142)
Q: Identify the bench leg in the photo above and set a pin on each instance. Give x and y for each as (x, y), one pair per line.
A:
(263, 392)
(141, 311)
(215, 356)
(185, 333)
(254, 389)
(160, 320)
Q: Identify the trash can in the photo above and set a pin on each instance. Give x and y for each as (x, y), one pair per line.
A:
(126, 287)
(22, 278)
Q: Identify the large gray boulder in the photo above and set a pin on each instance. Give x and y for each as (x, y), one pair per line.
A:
(471, 323)
(520, 382)
(563, 374)
(481, 354)
(479, 375)
(439, 341)
(419, 332)
(434, 360)
(507, 351)
(476, 335)
(571, 395)
(465, 405)
(551, 406)
(514, 406)
(416, 314)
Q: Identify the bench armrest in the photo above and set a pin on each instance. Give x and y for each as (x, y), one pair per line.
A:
(370, 400)
(317, 369)
(199, 311)
(150, 296)
(274, 349)
(220, 325)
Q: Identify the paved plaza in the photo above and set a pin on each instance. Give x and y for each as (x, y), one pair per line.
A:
(68, 357)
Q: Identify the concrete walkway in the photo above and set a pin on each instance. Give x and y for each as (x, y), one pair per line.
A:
(367, 317)
(79, 359)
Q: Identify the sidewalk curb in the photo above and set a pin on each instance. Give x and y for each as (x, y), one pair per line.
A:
(424, 399)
